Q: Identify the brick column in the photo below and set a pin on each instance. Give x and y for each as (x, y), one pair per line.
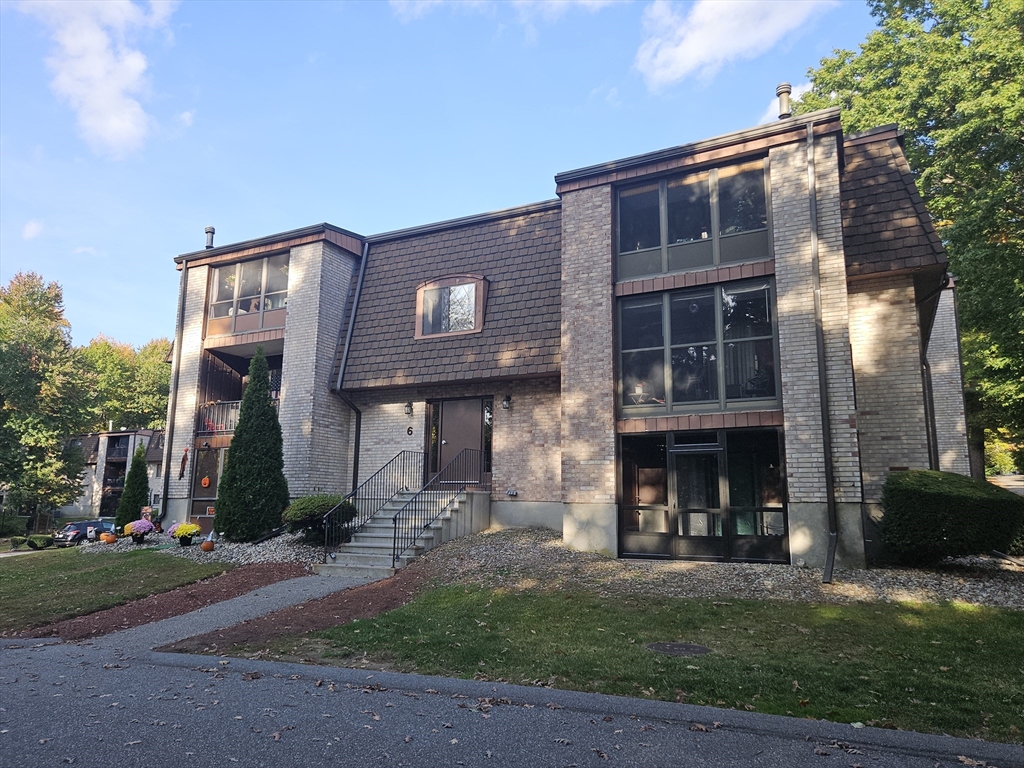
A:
(190, 344)
(588, 372)
(948, 387)
(314, 422)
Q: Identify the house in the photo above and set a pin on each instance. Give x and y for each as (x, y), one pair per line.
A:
(716, 351)
(108, 456)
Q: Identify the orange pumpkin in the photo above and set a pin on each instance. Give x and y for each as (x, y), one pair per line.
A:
(108, 538)
(207, 546)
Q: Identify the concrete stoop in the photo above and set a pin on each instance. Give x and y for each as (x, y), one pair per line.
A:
(368, 554)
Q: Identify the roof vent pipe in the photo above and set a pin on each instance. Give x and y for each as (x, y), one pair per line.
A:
(209, 236)
(783, 91)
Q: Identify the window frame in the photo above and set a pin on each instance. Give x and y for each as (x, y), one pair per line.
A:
(479, 300)
(666, 252)
(641, 407)
(214, 323)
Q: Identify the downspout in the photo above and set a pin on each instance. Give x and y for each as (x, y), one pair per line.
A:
(173, 401)
(826, 421)
(344, 362)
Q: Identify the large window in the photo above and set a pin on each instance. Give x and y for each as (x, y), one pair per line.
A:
(452, 305)
(704, 495)
(702, 349)
(696, 221)
(248, 296)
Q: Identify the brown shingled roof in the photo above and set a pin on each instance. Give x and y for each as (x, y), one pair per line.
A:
(517, 251)
(886, 227)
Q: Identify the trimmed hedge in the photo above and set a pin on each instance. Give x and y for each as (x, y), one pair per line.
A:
(306, 514)
(930, 515)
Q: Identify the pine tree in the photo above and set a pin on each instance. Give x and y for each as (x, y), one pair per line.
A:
(136, 490)
(253, 491)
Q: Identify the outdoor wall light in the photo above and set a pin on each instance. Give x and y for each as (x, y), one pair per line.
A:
(506, 404)
(408, 409)
(206, 444)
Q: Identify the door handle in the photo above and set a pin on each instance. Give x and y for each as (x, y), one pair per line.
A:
(444, 442)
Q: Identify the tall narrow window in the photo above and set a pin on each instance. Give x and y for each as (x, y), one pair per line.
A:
(452, 305)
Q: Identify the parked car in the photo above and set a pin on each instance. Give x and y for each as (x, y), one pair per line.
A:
(74, 534)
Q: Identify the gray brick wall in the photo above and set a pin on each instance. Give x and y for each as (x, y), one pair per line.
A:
(890, 397)
(588, 379)
(948, 387)
(527, 442)
(805, 456)
(184, 416)
(315, 423)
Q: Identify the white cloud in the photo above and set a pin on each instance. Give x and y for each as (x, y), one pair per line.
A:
(186, 118)
(32, 229)
(526, 10)
(771, 112)
(410, 10)
(96, 69)
(714, 33)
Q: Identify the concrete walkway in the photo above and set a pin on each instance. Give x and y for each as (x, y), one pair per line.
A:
(112, 701)
(1013, 483)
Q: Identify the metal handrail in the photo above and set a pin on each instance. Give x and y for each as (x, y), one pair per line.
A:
(403, 472)
(437, 496)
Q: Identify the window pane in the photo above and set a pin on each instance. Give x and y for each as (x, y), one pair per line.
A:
(639, 220)
(697, 481)
(741, 202)
(755, 476)
(252, 280)
(643, 378)
(277, 273)
(461, 310)
(746, 313)
(641, 324)
(689, 211)
(694, 373)
(644, 473)
(224, 283)
(449, 309)
(693, 318)
(750, 369)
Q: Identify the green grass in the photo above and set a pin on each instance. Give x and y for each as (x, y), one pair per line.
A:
(54, 585)
(953, 669)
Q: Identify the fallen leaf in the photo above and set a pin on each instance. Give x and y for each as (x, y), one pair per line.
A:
(698, 727)
(599, 753)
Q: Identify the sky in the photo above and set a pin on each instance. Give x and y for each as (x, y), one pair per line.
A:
(127, 128)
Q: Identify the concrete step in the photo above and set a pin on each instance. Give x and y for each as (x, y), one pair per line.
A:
(334, 568)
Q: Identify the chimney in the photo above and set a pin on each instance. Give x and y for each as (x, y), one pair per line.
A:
(211, 230)
(783, 92)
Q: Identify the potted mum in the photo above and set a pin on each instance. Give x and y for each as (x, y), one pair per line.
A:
(138, 529)
(184, 532)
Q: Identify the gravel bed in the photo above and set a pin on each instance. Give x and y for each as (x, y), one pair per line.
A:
(286, 548)
(536, 558)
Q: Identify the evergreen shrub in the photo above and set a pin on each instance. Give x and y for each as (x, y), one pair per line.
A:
(306, 514)
(253, 491)
(930, 515)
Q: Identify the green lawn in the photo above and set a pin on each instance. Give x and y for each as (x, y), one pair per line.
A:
(53, 585)
(953, 669)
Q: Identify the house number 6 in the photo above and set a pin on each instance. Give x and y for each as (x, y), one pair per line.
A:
(409, 431)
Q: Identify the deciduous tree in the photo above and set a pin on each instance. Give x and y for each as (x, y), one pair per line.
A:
(951, 74)
(46, 396)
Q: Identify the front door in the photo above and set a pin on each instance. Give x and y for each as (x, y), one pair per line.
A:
(462, 427)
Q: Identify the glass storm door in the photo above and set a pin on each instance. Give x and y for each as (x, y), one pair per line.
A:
(700, 518)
